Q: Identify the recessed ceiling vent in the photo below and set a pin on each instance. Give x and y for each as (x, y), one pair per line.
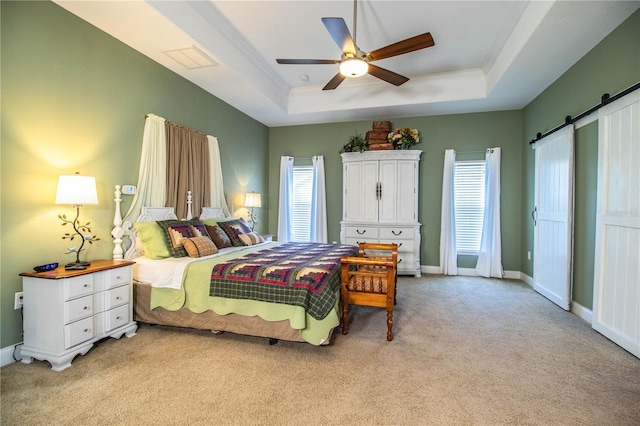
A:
(191, 58)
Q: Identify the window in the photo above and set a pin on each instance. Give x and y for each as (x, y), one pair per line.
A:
(469, 203)
(301, 202)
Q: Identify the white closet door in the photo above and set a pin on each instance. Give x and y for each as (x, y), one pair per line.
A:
(388, 181)
(616, 304)
(553, 216)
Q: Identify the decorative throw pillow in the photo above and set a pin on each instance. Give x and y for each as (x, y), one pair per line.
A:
(218, 236)
(250, 238)
(233, 228)
(174, 232)
(153, 241)
(199, 246)
(198, 228)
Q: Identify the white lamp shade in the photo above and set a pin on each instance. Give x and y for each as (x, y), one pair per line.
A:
(76, 190)
(252, 200)
(353, 67)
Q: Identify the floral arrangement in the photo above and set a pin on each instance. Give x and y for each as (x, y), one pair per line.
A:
(356, 144)
(404, 138)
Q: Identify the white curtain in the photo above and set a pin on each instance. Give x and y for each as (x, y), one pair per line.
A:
(152, 176)
(490, 257)
(448, 252)
(318, 202)
(285, 203)
(217, 183)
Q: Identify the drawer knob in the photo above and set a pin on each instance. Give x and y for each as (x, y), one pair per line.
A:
(118, 298)
(361, 233)
(87, 286)
(118, 277)
(394, 232)
(400, 245)
(87, 308)
(87, 330)
(118, 318)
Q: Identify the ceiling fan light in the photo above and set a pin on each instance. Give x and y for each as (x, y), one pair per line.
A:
(353, 67)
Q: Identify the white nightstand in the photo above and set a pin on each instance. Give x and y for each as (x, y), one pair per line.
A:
(267, 237)
(65, 312)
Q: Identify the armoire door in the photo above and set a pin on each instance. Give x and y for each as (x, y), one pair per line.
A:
(360, 191)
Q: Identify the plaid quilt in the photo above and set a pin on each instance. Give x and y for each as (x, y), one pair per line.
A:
(300, 274)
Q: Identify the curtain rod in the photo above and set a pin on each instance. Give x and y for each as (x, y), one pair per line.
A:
(604, 100)
(177, 124)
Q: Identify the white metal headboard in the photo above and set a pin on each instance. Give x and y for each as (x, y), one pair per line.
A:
(127, 231)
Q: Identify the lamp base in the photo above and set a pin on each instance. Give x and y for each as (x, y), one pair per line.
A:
(76, 266)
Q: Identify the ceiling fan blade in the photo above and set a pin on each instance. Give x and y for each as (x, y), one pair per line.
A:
(307, 61)
(405, 46)
(386, 75)
(340, 33)
(334, 82)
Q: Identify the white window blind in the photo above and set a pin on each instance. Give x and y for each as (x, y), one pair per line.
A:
(469, 204)
(301, 215)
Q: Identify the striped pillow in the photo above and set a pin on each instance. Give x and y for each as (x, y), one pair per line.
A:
(250, 238)
(199, 246)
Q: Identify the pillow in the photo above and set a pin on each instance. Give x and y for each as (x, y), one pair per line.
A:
(199, 246)
(218, 236)
(174, 232)
(153, 241)
(251, 238)
(233, 228)
(197, 228)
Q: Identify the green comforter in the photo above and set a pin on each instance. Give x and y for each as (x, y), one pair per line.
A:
(194, 295)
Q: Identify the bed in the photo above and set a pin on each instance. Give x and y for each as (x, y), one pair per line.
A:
(282, 291)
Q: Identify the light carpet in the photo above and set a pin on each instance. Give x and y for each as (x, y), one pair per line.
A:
(467, 350)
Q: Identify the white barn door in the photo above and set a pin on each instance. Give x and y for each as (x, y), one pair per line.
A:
(616, 304)
(553, 217)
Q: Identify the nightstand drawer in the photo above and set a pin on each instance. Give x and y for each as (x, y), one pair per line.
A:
(78, 286)
(78, 308)
(114, 318)
(78, 332)
(106, 300)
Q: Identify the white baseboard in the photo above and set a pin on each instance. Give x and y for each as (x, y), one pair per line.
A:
(6, 354)
(469, 272)
(584, 313)
(526, 279)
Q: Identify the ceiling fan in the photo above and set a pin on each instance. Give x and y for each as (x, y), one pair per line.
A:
(355, 62)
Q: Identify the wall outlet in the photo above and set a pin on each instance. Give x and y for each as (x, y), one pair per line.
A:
(529, 255)
(17, 302)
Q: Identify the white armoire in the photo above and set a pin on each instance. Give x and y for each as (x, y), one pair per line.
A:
(380, 202)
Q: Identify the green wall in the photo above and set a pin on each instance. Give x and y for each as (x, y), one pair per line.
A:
(74, 99)
(462, 132)
(610, 67)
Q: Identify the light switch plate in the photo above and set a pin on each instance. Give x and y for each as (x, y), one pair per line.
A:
(128, 189)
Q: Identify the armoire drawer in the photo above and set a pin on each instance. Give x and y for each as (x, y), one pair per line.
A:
(391, 233)
(404, 246)
(362, 233)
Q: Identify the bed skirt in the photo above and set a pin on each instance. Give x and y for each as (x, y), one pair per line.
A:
(209, 320)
